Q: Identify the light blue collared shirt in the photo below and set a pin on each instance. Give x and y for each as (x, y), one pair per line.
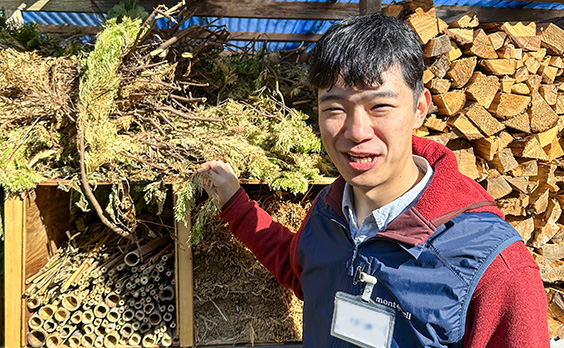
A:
(382, 217)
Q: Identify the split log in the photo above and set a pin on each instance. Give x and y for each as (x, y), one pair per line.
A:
(522, 184)
(525, 226)
(438, 86)
(528, 147)
(497, 186)
(461, 70)
(460, 36)
(520, 123)
(435, 123)
(465, 127)
(488, 124)
(507, 105)
(507, 83)
(440, 66)
(489, 146)
(424, 24)
(481, 46)
(482, 88)
(467, 20)
(552, 38)
(498, 39)
(450, 103)
(498, 66)
(467, 163)
(526, 169)
(542, 116)
(504, 161)
(514, 205)
(437, 46)
(454, 53)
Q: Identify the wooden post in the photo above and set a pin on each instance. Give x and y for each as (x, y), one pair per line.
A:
(369, 6)
(184, 284)
(14, 211)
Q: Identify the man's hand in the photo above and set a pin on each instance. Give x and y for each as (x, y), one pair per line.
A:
(223, 181)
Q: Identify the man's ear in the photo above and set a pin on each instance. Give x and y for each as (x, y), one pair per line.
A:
(423, 104)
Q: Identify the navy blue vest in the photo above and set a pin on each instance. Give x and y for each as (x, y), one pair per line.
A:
(429, 285)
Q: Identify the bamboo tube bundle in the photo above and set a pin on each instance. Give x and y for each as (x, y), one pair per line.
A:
(89, 294)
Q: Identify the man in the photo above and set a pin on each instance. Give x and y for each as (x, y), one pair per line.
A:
(401, 250)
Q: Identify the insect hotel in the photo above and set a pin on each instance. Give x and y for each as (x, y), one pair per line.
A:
(107, 236)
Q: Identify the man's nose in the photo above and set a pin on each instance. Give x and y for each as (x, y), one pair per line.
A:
(357, 126)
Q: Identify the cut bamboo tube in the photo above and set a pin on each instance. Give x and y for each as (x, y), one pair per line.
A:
(111, 339)
(62, 315)
(166, 340)
(46, 312)
(155, 317)
(134, 340)
(33, 303)
(139, 315)
(35, 322)
(112, 299)
(71, 302)
(99, 341)
(66, 331)
(126, 331)
(53, 340)
(128, 314)
(148, 341)
(167, 293)
(149, 307)
(36, 338)
(75, 339)
(113, 315)
(87, 317)
(167, 316)
(49, 325)
(101, 310)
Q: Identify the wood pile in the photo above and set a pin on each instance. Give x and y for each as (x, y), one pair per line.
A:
(498, 101)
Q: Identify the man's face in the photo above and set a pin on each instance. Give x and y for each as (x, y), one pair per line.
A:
(367, 131)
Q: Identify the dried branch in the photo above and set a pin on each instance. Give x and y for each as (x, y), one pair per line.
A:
(90, 195)
(189, 117)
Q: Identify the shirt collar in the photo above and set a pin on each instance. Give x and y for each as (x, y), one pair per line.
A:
(383, 216)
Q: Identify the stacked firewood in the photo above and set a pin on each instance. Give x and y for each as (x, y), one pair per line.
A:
(498, 101)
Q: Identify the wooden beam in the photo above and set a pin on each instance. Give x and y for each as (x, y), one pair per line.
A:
(277, 9)
(369, 6)
(209, 8)
(498, 14)
(273, 37)
(184, 283)
(14, 227)
(69, 29)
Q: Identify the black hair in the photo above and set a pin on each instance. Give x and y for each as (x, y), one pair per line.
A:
(360, 48)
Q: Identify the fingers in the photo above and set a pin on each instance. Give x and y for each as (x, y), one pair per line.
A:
(223, 181)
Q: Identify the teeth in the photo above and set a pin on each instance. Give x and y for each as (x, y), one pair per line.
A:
(360, 159)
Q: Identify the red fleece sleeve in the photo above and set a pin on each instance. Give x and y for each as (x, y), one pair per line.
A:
(274, 245)
(508, 307)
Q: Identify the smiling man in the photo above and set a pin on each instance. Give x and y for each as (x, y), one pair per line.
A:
(402, 250)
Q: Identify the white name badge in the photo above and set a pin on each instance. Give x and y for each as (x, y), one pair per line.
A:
(366, 324)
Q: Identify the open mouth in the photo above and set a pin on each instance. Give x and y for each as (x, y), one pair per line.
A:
(362, 159)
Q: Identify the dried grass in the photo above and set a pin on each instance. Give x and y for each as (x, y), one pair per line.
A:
(236, 299)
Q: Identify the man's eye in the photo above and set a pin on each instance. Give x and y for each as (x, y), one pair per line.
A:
(381, 106)
(333, 109)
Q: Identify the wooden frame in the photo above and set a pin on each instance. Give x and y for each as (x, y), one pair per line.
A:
(14, 224)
